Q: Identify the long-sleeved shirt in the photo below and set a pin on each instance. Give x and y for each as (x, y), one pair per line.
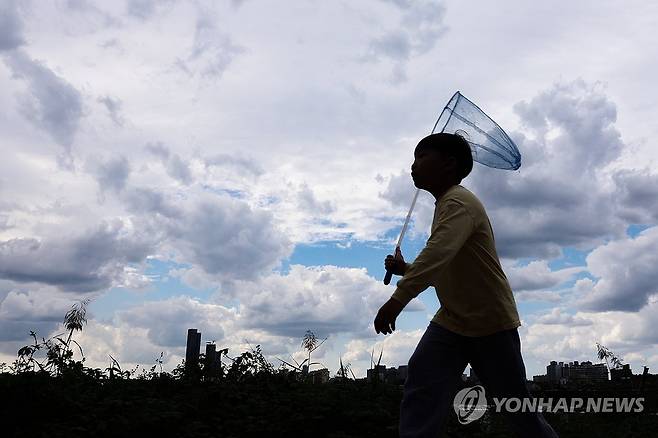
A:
(461, 262)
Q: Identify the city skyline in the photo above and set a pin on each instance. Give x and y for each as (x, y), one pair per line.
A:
(556, 372)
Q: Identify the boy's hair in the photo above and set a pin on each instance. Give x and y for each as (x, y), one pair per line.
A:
(452, 145)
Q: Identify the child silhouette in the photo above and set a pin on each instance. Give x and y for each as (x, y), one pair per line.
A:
(478, 319)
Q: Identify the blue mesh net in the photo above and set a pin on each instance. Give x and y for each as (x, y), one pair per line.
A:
(490, 145)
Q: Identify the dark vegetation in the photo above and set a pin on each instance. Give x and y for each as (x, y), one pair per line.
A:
(47, 393)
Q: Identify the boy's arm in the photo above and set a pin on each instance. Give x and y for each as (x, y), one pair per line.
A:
(454, 227)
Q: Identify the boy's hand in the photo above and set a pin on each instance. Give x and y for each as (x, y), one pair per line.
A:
(396, 263)
(385, 319)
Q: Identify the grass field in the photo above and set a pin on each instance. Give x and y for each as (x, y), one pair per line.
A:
(38, 405)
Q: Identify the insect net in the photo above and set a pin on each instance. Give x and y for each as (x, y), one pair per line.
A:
(490, 145)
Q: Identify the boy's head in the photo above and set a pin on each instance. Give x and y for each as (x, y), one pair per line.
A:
(441, 159)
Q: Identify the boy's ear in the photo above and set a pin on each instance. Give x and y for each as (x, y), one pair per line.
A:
(450, 161)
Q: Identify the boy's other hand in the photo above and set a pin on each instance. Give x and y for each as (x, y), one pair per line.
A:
(385, 319)
(396, 263)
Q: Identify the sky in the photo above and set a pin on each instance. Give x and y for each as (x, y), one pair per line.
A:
(243, 167)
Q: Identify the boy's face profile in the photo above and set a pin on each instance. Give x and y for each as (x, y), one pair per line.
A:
(431, 168)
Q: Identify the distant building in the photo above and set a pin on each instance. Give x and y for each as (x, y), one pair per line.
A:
(554, 372)
(396, 375)
(622, 374)
(193, 348)
(588, 372)
(319, 376)
(379, 372)
(562, 373)
(389, 375)
(212, 362)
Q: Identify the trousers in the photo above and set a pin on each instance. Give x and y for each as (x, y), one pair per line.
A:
(434, 373)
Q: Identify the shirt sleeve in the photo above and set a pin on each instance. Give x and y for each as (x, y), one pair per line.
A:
(454, 227)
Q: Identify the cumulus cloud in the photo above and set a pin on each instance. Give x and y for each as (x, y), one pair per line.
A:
(537, 275)
(224, 237)
(145, 9)
(93, 260)
(150, 202)
(637, 191)
(328, 298)
(562, 342)
(212, 50)
(617, 308)
(276, 310)
(308, 202)
(31, 307)
(179, 170)
(228, 239)
(562, 195)
(396, 349)
(394, 45)
(134, 336)
(584, 118)
(50, 103)
(559, 198)
(4, 222)
(138, 335)
(11, 26)
(166, 322)
(536, 281)
(240, 164)
(216, 237)
(40, 309)
(112, 174)
(176, 167)
(158, 149)
(113, 107)
(356, 350)
(195, 277)
(538, 295)
(557, 317)
(420, 27)
(237, 3)
(626, 277)
(130, 345)
(399, 192)
(84, 17)
(556, 335)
